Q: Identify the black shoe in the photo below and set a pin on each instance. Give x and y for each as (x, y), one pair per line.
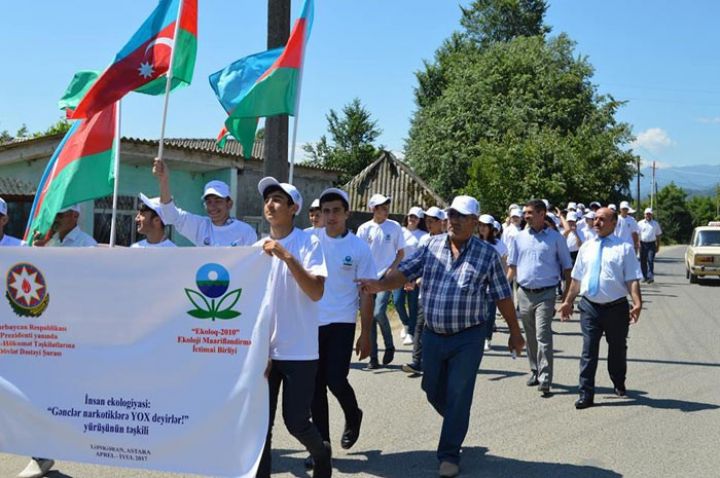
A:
(650, 281)
(533, 380)
(323, 464)
(412, 368)
(583, 403)
(372, 365)
(544, 390)
(388, 356)
(352, 432)
(309, 463)
(620, 391)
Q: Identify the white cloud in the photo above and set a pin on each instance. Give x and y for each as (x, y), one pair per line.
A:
(647, 163)
(653, 140)
(709, 120)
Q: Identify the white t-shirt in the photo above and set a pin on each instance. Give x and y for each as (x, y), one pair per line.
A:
(347, 259)
(315, 231)
(385, 240)
(201, 231)
(10, 241)
(572, 240)
(625, 228)
(144, 243)
(509, 234)
(294, 316)
(411, 242)
(649, 230)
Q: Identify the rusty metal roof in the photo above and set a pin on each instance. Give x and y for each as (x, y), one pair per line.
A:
(391, 177)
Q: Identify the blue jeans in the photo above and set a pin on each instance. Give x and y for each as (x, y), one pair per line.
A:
(450, 367)
(407, 316)
(380, 319)
(647, 259)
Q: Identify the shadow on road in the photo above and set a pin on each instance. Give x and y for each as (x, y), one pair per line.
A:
(475, 462)
(57, 474)
(640, 398)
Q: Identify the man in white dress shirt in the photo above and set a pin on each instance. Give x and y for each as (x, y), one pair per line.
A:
(605, 272)
(650, 233)
(627, 228)
(5, 239)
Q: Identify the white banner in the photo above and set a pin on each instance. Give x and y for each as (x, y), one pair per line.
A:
(148, 358)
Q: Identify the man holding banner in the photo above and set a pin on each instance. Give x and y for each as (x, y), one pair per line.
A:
(296, 284)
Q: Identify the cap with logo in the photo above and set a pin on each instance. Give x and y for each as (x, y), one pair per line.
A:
(152, 203)
(337, 191)
(289, 189)
(416, 211)
(435, 212)
(378, 200)
(466, 205)
(572, 216)
(216, 188)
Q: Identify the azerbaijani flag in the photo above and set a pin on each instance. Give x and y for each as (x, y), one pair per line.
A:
(263, 84)
(143, 62)
(80, 169)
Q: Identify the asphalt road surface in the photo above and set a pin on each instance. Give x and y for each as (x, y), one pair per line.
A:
(668, 426)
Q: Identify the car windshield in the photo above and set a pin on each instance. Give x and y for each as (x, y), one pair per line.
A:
(708, 238)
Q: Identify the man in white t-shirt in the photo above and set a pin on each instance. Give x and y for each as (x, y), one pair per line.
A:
(627, 228)
(649, 231)
(348, 259)
(149, 222)
(316, 218)
(513, 227)
(295, 285)
(385, 238)
(5, 239)
(573, 236)
(215, 229)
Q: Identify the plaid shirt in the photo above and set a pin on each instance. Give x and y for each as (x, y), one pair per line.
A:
(455, 292)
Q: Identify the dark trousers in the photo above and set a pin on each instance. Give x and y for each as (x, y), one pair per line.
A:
(336, 347)
(647, 259)
(417, 338)
(298, 382)
(450, 367)
(614, 322)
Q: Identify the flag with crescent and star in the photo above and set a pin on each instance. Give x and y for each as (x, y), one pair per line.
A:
(263, 84)
(142, 64)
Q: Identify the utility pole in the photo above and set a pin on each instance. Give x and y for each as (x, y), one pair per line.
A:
(637, 197)
(276, 127)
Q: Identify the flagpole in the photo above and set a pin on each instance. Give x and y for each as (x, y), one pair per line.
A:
(116, 174)
(297, 116)
(168, 83)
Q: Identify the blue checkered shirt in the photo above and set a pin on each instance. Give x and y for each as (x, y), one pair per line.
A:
(455, 292)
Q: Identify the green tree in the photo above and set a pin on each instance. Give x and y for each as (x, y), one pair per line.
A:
(673, 215)
(702, 210)
(23, 132)
(5, 136)
(515, 119)
(490, 21)
(352, 141)
(60, 127)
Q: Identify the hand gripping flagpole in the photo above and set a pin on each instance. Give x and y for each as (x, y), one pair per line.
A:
(116, 174)
(168, 83)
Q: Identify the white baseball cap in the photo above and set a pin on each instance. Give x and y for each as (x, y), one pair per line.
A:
(547, 203)
(648, 210)
(416, 211)
(289, 189)
(516, 213)
(154, 204)
(466, 205)
(595, 203)
(315, 204)
(497, 226)
(589, 215)
(580, 205)
(572, 205)
(337, 191)
(487, 219)
(74, 207)
(216, 188)
(513, 206)
(435, 212)
(572, 216)
(377, 200)
(3, 207)
(612, 206)
(624, 205)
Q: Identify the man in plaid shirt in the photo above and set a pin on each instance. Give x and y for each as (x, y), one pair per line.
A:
(460, 273)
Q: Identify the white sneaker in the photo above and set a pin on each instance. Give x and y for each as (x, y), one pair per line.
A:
(408, 340)
(404, 332)
(37, 468)
(488, 345)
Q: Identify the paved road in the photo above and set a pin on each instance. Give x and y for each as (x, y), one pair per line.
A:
(669, 426)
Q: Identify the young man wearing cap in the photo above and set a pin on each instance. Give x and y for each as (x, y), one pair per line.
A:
(149, 223)
(574, 237)
(627, 227)
(588, 231)
(460, 273)
(316, 218)
(405, 298)
(649, 232)
(295, 285)
(538, 259)
(348, 259)
(6, 239)
(65, 231)
(386, 241)
(513, 227)
(215, 229)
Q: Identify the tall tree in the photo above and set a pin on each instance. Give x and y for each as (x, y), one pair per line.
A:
(510, 117)
(673, 215)
(352, 141)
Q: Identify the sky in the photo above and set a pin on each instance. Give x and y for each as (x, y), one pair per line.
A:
(660, 56)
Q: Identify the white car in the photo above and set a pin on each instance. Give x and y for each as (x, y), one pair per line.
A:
(702, 257)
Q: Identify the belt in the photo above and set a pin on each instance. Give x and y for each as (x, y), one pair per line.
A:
(606, 305)
(535, 291)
